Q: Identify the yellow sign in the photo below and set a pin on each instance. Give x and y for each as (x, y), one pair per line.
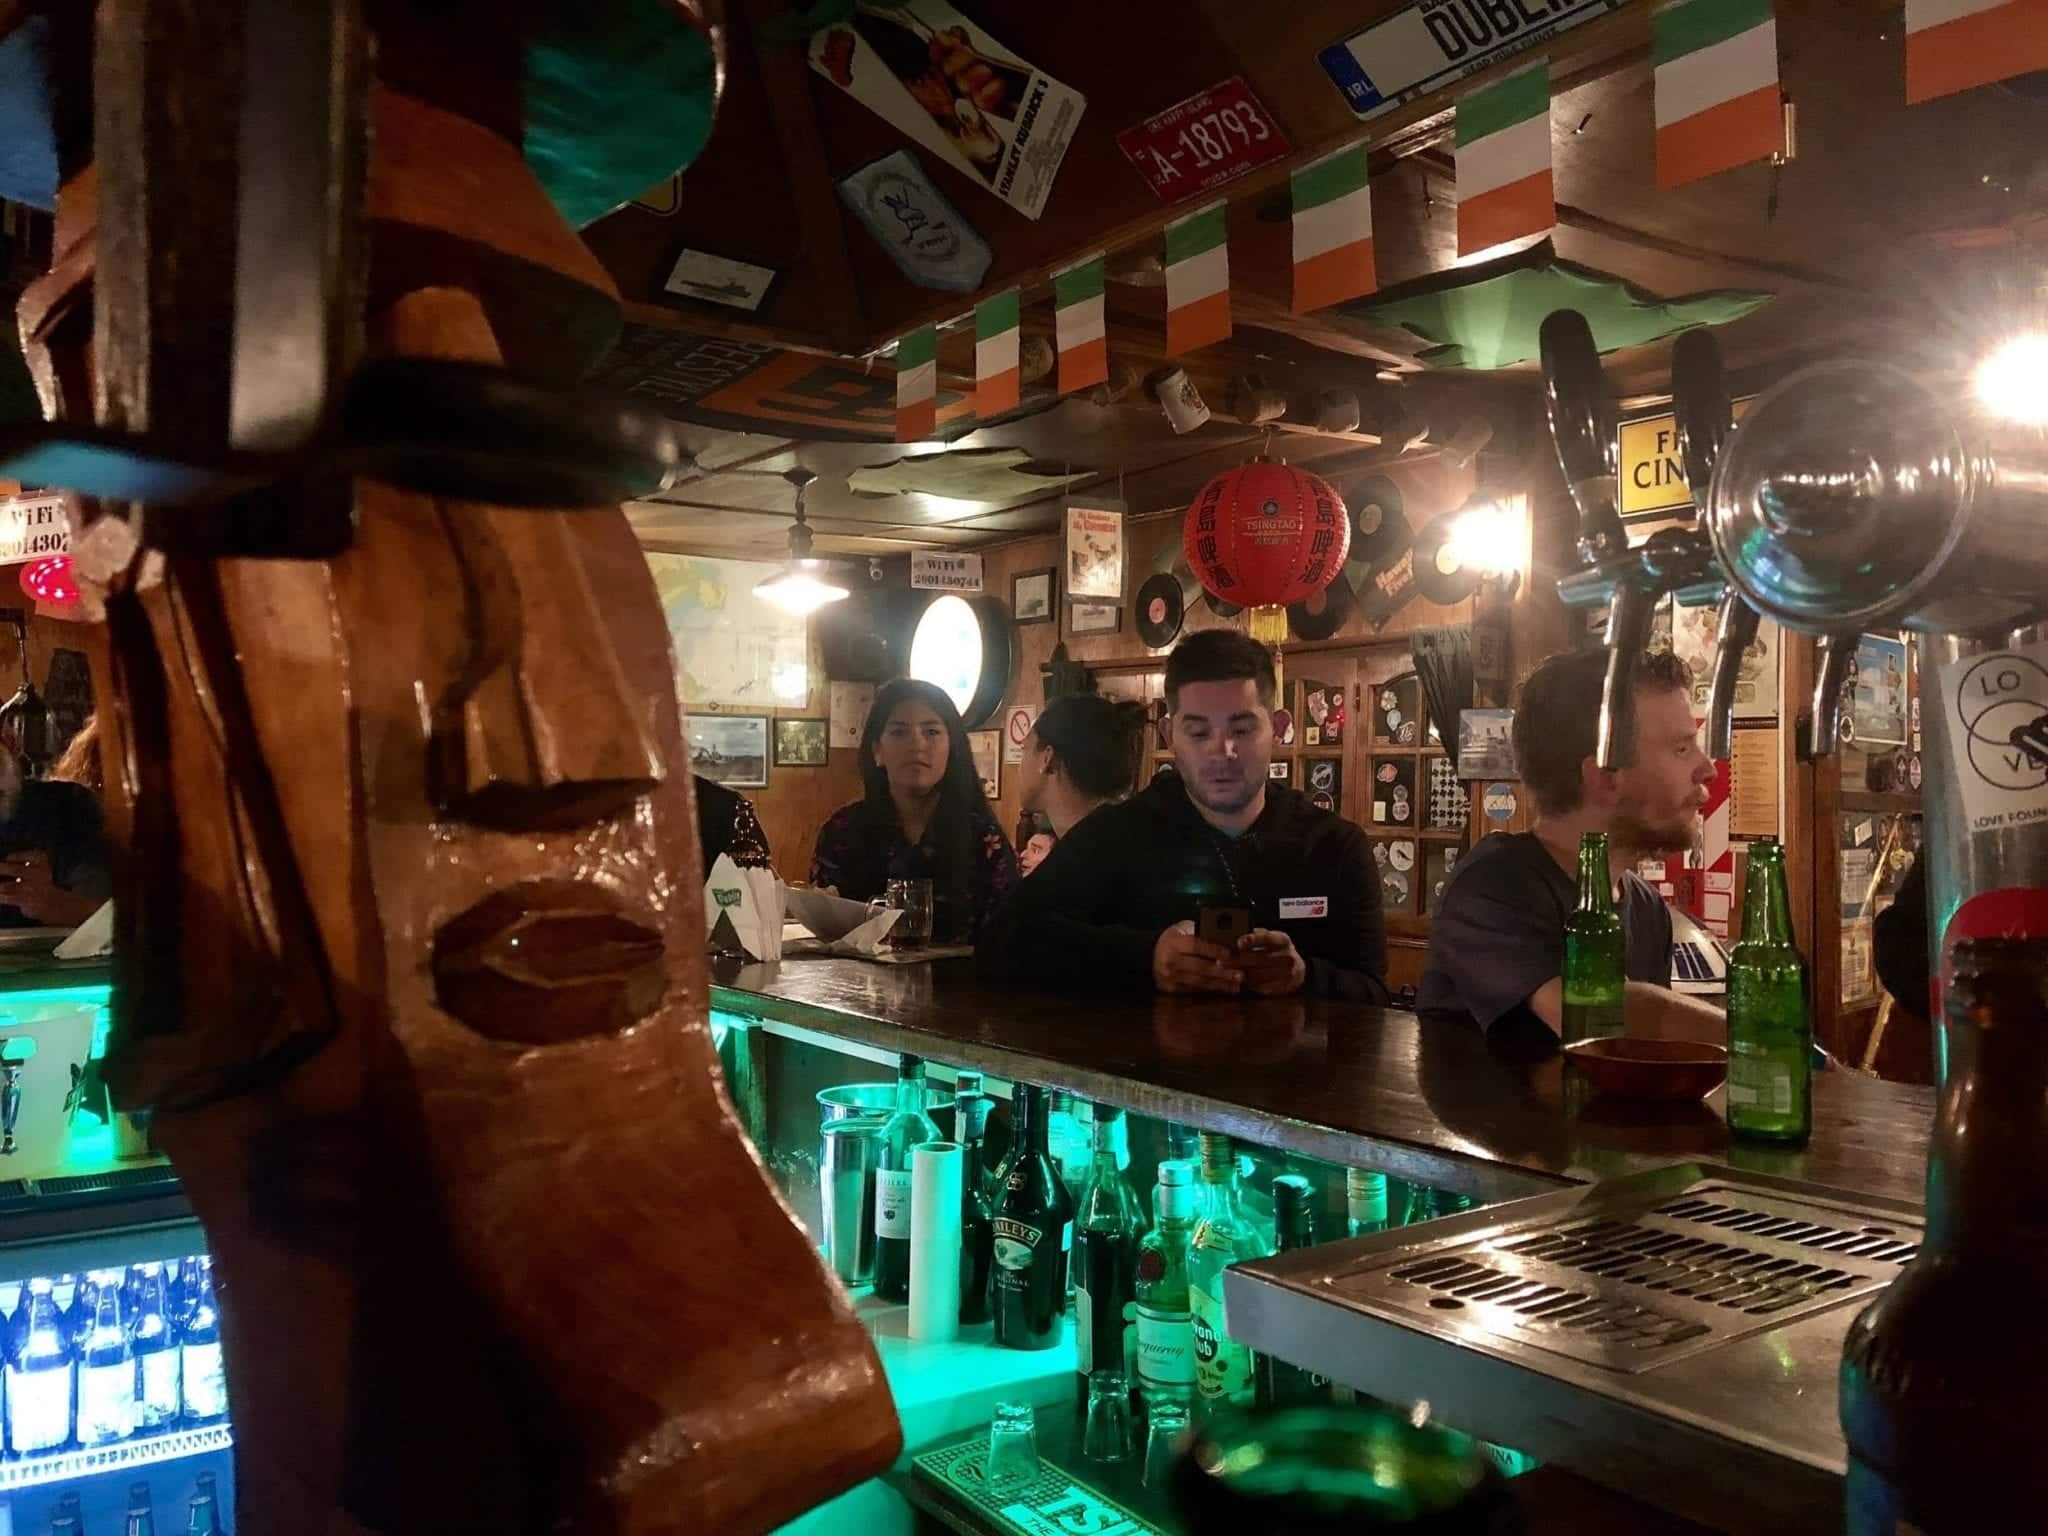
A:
(1652, 475)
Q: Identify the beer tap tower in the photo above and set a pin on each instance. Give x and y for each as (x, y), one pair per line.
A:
(1850, 497)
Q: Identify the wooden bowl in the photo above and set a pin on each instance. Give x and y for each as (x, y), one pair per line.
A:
(1673, 1070)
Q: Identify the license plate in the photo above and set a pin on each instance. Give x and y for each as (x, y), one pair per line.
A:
(1198, 144)
(1435, 43)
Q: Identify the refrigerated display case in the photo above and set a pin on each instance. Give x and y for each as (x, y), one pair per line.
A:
(113, 1400)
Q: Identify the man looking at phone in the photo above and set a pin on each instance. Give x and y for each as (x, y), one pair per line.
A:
(1213, 878)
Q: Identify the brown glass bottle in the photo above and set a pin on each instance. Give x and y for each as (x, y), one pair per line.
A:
(1945, 1375)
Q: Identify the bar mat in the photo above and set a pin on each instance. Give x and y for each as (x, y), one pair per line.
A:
(818, 949)
(1051, 1504)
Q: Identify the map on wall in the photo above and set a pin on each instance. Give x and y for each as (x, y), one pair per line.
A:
(732, 649)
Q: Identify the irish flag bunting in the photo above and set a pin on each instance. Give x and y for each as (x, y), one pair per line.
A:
(995, 354)
(1197, 281)
(1504, 187)
(1332, 231)
(917, 385)
(1078, 326)
(1952, 45)
(1717, 87)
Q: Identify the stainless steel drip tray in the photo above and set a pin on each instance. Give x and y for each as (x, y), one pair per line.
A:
(1673, 1333)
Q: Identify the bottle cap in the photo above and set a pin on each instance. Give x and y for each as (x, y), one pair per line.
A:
(1175, 1174)
(1292, 1212)
(1062, 1101)
(1363, 1184)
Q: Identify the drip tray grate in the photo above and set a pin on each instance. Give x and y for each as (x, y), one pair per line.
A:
(1634, 1290)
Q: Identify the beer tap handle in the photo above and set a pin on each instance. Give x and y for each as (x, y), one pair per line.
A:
(1830, 670)
(1582, 426)
(1628, 630)
(1733, 633)
(1699, 400)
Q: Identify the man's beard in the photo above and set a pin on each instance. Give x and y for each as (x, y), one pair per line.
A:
(1222, 802)
(1654, 837)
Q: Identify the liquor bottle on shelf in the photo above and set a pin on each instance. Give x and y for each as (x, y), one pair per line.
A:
(906, 1128)
(40, 1364)
(1108, 1227)
(1421, 1205)
(1166, 1339)
(69, 1508)
(1279, 1383)
(202, 1516)
(1770, 1021)
(1033, 1229)
(106, 1368)
(1595, 981)
(970, 1123)
(202, 1374)
(1223, 1236)
(1365, 1202)
(1183, 1143)
(1944, 1383)
(156, 1349)
(141, 1516)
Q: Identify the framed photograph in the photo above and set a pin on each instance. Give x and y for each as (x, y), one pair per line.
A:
(1485, 750)
(729, 749)
(1031, 595)
(1094, 554)
(1094, 619)
(987, 747)
(801, 743)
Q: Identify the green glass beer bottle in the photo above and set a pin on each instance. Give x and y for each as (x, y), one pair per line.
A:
(1770, 1025)
(1594, 979)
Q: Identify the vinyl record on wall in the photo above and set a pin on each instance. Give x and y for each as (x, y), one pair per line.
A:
(1220, 608)
(1160, 610)
(1321, 616)
(1437, 577)
(1379, 526)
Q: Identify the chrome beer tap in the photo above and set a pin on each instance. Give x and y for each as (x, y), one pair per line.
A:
(1704, 417)
(1629, 581)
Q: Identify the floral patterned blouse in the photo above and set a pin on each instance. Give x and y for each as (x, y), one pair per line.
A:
(862, 848)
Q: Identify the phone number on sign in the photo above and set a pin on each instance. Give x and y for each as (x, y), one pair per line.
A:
(1202, 142)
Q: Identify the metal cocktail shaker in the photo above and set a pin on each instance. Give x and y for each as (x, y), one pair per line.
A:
(846, 1195)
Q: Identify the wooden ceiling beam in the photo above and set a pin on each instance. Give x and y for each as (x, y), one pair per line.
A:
(786, 79)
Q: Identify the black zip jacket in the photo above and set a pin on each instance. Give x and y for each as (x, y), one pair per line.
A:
(1091, 913)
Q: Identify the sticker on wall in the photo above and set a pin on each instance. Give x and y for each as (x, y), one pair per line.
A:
(1018, 720)
(911, 219)
(719, 280)
(1998, 720)
(1499, 802)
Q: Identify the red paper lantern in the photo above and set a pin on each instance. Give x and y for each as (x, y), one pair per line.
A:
(1264, 535)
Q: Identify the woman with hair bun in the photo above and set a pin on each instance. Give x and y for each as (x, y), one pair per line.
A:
(1082, 754)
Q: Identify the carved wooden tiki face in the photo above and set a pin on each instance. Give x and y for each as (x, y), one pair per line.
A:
(411, 952)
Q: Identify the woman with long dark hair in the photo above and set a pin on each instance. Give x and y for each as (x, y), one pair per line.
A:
(923, 816)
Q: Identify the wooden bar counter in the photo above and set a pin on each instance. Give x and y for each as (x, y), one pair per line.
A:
(1365, 1087)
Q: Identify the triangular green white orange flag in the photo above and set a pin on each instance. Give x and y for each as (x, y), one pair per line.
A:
(995, 354)
(917, 385)
(1504, 184)
(1716, 88)
(1078, 326)
(1952, 45)
(1332, 231)
(1197, 281)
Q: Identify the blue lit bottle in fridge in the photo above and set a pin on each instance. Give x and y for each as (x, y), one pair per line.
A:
(202, 1518)
(106, 1368)
(141, 1514)
(156, 1350)
(204, 1375)
(39, 1364)
(67, 1519)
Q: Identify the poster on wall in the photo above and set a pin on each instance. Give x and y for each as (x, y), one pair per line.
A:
(848, 712)
(731, 648)
(942, 80)
(987, 747)
(1691, 639)
(1485, 744)
(1877, 692)
(1094, 553)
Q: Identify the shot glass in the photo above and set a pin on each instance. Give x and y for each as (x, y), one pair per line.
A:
(1012, 1446)
(1167, 1426)
(1106, 1436)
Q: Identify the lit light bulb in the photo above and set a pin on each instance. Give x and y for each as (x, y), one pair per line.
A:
(1481, 538)
(2012, 382)
(800, 588)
